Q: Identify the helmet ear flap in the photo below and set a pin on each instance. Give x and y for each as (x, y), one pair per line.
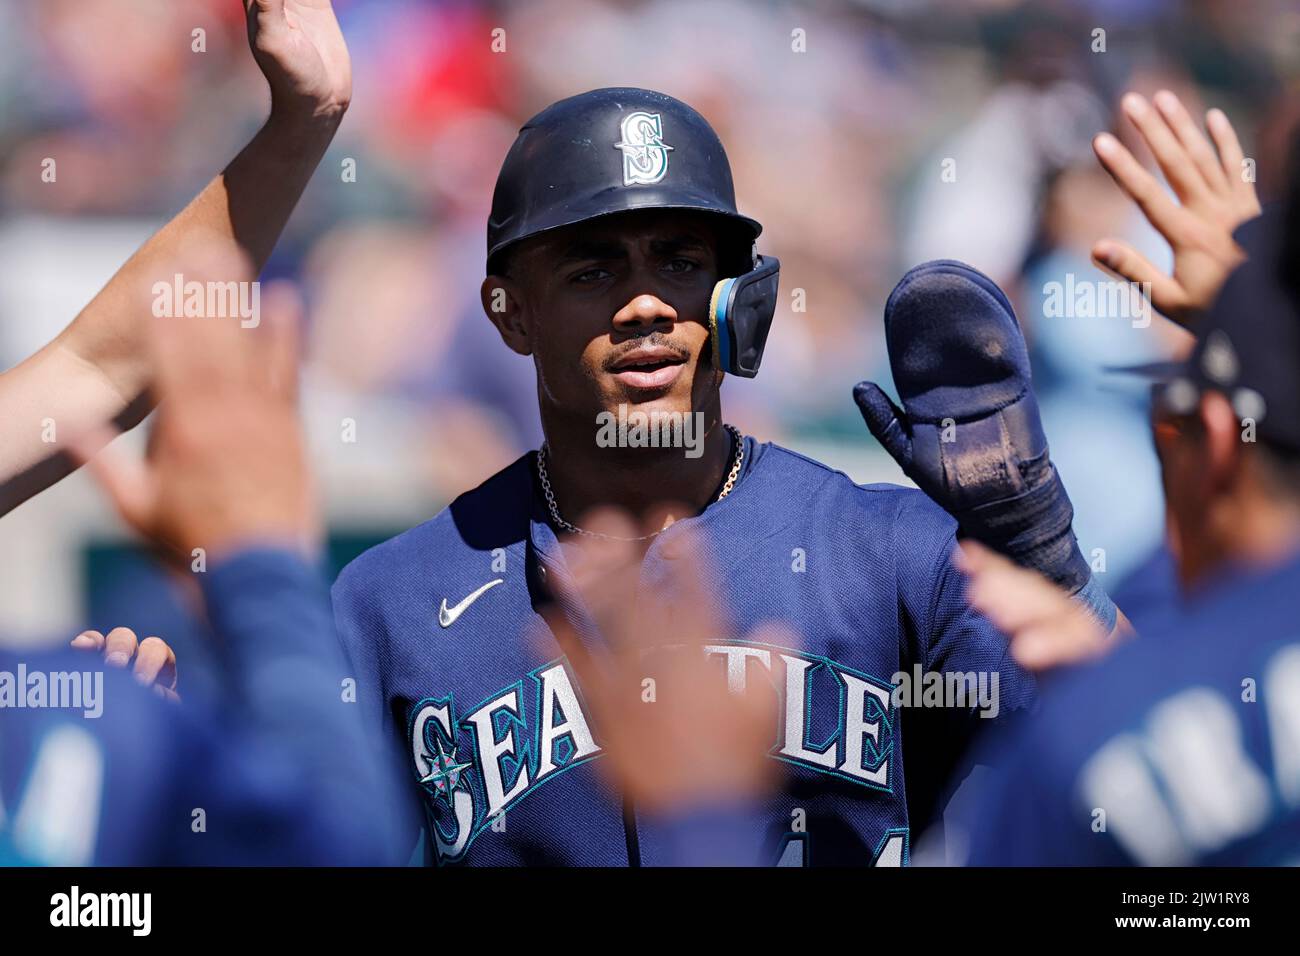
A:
(740, 316)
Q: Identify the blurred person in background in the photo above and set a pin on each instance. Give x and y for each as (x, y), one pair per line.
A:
(1190, 750)
(279, 771)
(1211, 197)
(1020, 157)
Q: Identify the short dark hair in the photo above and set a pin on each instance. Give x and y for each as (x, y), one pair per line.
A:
(503, 262)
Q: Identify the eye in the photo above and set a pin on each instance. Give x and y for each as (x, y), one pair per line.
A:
(682, 265)
(591, 275)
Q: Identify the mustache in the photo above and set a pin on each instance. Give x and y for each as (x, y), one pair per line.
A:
(650, 340)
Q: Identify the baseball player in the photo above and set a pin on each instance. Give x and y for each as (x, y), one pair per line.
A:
(617, 259)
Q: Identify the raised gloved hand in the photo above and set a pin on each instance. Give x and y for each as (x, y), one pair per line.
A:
(969, 433)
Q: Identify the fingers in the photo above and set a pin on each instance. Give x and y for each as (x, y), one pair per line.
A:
(632, 617)
(676, 609)
(601, 578)
(1161, 211)
(267, 11)
(266, 22)
(129, 482)
(1225, 139)
(1192, 139)
(1122, 260)
(1215, 200)
(1039, 647)
(1223, 171)
(119, 647)
(1125, 261)
(1067, 640)
(1173, 159)
(604, 569)
(884, 420)
(970, 557)
(199, 349)
(691, 607)
(186, 357)
(606, 565)
(1046, 628)
(155, 663)
(1012, 597)
(199, 357)
(282, 310)
(88, 641)
(594, 678)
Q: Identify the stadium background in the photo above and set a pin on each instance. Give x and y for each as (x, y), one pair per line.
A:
(838, 150)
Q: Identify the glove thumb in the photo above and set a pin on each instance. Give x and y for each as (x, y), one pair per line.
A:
(886, 421)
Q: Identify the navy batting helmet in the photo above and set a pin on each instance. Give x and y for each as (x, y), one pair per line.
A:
(620, 149)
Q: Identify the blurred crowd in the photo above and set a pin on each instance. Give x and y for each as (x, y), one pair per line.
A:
(839, 119)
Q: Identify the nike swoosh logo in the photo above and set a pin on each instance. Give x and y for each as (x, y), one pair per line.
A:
(448, 616)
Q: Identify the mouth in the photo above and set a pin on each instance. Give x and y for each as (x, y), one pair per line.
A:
(648, 367)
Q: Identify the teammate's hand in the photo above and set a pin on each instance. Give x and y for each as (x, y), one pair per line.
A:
(1214, 197)
(1047, 629)
(301, 51)
(226, 467)
(675, 736)
(152, 661)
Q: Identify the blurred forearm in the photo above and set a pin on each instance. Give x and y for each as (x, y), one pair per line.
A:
(99, 369)
(243, 209)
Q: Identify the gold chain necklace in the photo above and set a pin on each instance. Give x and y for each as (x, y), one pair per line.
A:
(736, 440)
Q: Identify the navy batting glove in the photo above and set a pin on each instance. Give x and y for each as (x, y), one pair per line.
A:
(969, 432)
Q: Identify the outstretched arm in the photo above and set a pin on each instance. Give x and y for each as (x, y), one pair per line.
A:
(99, 369)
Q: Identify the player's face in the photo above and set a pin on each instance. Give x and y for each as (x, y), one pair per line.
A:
(1197, 453)
(615, 313)
(1175, 451)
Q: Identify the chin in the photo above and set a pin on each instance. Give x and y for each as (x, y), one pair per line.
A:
(652, 425)
(673, 401)
(676, 397)
(620, 403)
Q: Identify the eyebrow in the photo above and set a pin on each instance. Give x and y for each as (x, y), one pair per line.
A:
(605, 249)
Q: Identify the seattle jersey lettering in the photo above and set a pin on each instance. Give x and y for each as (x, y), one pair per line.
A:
(473, 768)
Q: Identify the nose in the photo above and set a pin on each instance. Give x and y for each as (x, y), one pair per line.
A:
(644, 312)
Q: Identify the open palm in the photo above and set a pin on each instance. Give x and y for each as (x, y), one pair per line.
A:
(299, 47)
(1212, 196)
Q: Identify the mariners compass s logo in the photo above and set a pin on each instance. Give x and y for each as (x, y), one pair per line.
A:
(444, 772)
(645, 154)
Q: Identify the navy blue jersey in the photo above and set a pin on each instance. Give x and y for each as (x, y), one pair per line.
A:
(94, 769)
(1181, 747)
(490, 715)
